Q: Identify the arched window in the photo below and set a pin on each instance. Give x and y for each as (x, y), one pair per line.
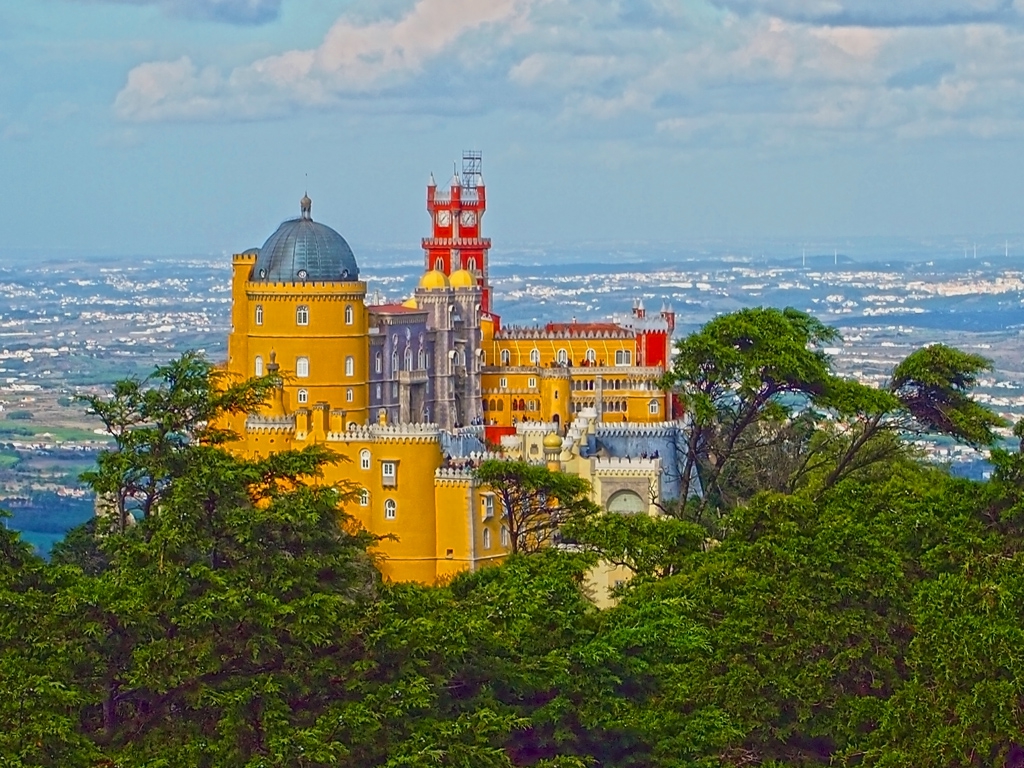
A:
(302, 367)
(378, 393)
(506, 357)
(378, 363)
(390, 509)
(522, 404)
(562, 357)
(303, 395)
(504, 536)
(259, 365)
(259, 314)
(364, 498)
(515, 404)
(394, 363)
(439, 265)
(350, 366)
(591, 356)
(302, 315)
(350, 395)
(364, 459)
(534, 356)
(471, 266)
(501, 405)
(485, 406)
(421, 359)
(487, 538)
(533, 405)
(653, 407)
(350, 315)
(408, 358)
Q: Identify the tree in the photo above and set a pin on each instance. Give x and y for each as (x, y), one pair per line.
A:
(154, 420)
(535, 501)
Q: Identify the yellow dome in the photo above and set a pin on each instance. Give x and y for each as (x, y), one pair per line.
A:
(434, 280)
(411, 303)
(462, 278)
(552, 441)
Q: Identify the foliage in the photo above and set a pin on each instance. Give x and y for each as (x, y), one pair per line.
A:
(535, 501)
(20, 415)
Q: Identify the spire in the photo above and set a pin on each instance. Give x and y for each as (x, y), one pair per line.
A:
(431, 183)
(306, 206)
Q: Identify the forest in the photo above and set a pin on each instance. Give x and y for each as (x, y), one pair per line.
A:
(823, 597)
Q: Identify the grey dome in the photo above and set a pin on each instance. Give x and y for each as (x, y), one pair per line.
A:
(303, 250)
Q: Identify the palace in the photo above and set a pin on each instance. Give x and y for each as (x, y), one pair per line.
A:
(413, 395)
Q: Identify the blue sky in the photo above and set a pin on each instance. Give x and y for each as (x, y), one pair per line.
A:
(147, 127)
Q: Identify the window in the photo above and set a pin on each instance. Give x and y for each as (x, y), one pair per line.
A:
(503, 382)
(350, 315)
(488, 506)
(506, 357)
(350, 395)
(439, 265)
(421, 359)
(364, 459)
(379, 393)
(259, 314)
(302, 315)
(350, 366)
(302, 367)
(504, 536)
(408, 359)
(534, 356)
(623, 357)
(259, 365)
(591, 356)
(390, 509)
(487, 538)
(562, 357)
(389, 472)
(471, 266)
(653, 407)
(394, 362)
(364, 498)
(531, 382)
(378, 363)
(303, 395)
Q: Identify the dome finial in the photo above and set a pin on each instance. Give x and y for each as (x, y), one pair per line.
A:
(307, 206)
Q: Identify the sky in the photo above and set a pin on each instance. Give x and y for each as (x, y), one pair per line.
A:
(181, 127)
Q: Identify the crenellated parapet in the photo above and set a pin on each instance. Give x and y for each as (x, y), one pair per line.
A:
(405, 433)
(450, 476)
(638, 429)
(625, 466)
(270, 424)
(536, 333)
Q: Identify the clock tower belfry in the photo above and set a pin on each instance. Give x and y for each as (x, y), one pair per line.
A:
(456, 214)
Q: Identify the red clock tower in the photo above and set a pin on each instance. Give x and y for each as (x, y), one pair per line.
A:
(456, 215)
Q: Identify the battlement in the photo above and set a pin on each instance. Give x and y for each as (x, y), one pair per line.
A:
(625, 466)
(636, 429)
(534, 427)
(464, 468)
(422, 433)
(260, 423)
(528, 333)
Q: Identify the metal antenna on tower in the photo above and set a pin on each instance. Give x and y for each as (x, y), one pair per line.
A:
(472, 168)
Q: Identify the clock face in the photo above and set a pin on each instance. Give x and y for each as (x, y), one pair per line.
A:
(468, 218)
(444, 218)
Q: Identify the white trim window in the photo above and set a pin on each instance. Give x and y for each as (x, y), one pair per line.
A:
(302, 315)
(623, 357)
(487, 538)
(654, 408)
(302, 367)
(364, 459)
(562, 357)
(505, 539)
(421, 359)
(350, 395)
(534, 356)
(259, 314)
(302, 396)
(364, 498)
(506, 357)
(531, 382)
(503, 383)
(390, 509)
(350, 315)
(378, 363)
(350, 366)
(487, 506)
(258, 366)
(389, 473)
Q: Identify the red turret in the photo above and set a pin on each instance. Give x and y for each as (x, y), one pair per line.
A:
(456, 216)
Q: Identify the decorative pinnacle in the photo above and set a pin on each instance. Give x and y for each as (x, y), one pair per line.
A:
(306, 206)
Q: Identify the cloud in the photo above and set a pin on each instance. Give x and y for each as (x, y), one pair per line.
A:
(228, 11)
(353, 59)
(879, 13)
